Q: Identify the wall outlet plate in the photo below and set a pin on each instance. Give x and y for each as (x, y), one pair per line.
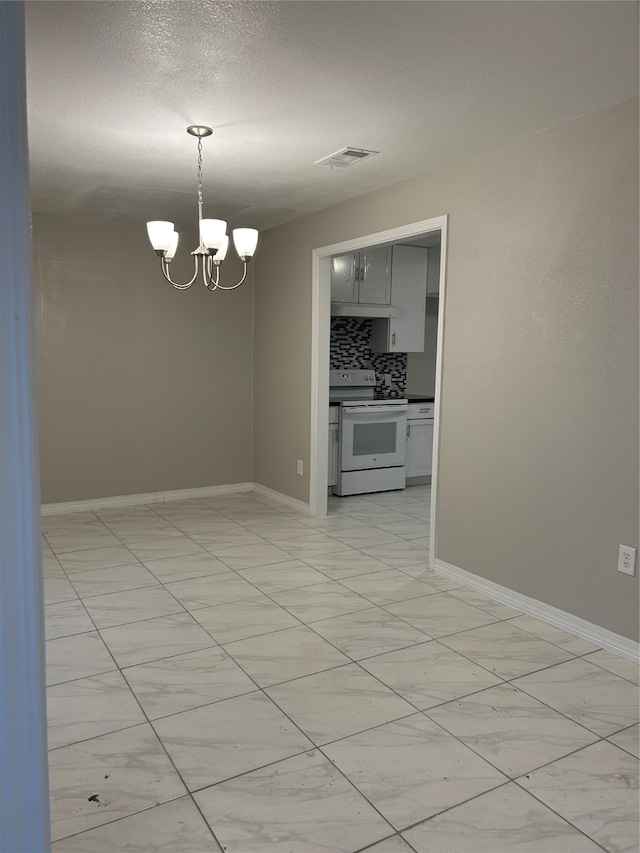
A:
(299, 467)
(627, 560)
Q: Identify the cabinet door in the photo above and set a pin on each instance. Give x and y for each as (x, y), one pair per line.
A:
(419, 448)
(333, 454)
(433, 272)
(409, 295)
(375, 276)
(344, 286)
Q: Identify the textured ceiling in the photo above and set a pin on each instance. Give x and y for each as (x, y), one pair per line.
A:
(112, 86)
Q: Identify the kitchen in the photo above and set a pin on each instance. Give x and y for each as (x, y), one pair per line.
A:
(383, 338)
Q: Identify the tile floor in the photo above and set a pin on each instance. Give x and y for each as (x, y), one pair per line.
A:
(228, 674)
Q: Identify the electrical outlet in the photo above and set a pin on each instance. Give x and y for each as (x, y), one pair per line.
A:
(386, 377)
(627, 560)
(300, 467)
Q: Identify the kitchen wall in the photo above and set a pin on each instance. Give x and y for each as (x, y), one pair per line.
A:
(141, 388)
(350, 349)
(539, 451)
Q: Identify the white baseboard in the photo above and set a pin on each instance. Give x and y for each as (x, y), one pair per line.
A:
(602, 637)
(294, 503)
(147, 498)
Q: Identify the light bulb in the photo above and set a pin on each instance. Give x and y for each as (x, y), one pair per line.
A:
(160, 234)
(173, 247)
(211, 232)
(245, 241)
(221, 254)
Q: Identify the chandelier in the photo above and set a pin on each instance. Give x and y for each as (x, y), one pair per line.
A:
(214, 241)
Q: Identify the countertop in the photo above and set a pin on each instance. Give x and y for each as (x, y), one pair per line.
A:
(412, 398)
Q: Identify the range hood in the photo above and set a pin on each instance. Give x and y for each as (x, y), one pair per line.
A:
(362, 309)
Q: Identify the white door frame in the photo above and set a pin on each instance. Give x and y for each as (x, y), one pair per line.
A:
(320, 328)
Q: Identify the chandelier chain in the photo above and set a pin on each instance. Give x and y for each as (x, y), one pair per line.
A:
(200, 170)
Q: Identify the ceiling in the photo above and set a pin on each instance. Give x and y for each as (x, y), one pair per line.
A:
(113, 85)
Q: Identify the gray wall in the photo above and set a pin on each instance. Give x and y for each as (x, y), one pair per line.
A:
(141, 388)
(539, 450)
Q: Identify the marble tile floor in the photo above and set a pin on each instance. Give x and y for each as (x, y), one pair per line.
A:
(229, 674)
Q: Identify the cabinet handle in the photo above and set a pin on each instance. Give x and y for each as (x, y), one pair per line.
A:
(408, 430)
(393, 339)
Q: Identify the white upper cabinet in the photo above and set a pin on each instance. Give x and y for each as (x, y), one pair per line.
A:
(362, 277)
(404, 332)
(433, 272)
(344, 282)
(375, 277)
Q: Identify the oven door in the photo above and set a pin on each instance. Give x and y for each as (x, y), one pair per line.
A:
(373, 436)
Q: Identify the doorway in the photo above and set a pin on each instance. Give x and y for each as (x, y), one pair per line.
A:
(321, 323)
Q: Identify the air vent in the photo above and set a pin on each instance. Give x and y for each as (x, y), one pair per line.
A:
(345, 157)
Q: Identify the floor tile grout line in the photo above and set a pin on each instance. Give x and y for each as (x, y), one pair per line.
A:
(585, 657)
(563, 713)
(370, 847)
(93, 674)
(557, 814)
(150, 619)
(506, 683)
(504, 772)
(214, 645)
(496, 621)
(137, 725)
(116, 820)
(134, 562)
(450, 808)
(491, 790)
(623, 748)
(154, 583)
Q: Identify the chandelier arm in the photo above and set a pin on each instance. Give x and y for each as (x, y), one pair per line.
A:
(165, 273)
(233, 286)
(207, 274)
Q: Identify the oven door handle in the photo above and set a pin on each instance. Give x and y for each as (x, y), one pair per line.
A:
(373, 410)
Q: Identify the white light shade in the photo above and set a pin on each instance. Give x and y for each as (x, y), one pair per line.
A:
(245, 241)
(211, 232)
(173, 247)
(221, 254)
(160, 234)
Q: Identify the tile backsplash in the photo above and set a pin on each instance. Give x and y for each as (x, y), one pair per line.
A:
(350, 349)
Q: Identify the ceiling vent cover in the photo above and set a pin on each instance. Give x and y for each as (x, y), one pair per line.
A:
(345, 157)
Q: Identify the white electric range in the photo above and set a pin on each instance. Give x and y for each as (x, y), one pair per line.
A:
(372, 435)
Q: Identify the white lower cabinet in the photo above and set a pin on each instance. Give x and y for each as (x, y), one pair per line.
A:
(419, 440)
(334, 450)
